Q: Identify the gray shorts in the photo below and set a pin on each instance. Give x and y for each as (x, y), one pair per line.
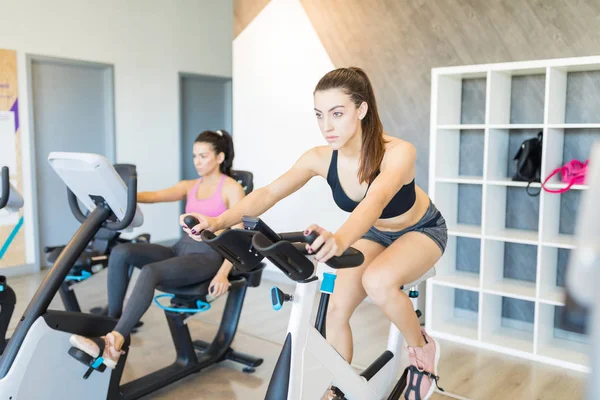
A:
(431, 224)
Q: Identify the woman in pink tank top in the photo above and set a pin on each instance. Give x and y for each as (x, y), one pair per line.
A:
(185, 263)
(213, 205)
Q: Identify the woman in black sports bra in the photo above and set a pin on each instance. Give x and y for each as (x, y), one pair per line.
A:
(392, 221)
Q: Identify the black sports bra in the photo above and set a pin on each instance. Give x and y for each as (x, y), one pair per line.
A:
(402, 201)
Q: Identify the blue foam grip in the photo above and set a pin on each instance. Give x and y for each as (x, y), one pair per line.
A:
(84, 275)
(328, 283)
(1, 288)
(202, 306)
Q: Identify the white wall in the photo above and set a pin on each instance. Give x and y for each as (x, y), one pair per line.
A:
(149, 42)
(277, 61)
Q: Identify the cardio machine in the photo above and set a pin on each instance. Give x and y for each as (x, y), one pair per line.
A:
(39, 362)
(308, 365)
(10, 199)
(95, 256)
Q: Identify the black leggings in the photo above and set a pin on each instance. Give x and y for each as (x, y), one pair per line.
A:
(186, 263)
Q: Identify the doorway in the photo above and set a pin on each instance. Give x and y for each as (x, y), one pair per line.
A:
(205, 104)
(72, 105)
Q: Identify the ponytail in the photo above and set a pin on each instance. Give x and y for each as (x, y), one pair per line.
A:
(221, 142)
(227, 149)
(355, 82)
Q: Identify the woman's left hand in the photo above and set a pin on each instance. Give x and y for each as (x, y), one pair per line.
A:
(326, 244)
(219, 285)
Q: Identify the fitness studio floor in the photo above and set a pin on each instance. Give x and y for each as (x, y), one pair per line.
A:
(466, 372)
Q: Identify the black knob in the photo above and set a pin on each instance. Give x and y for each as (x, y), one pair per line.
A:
(419, 313)
(191, 221)
(311, 237)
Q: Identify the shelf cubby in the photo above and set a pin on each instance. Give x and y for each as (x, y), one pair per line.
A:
(511, 214)
(508, 322)
(564, 145)
(458, 312)
(464, 99)
(503, 146)
(582, 97)
(560, 216)
(552, 280)
(462, 151)
(574, 95)
(510, 269)
(461, 206)
(518, 97)
(557, 339)
(459, 266)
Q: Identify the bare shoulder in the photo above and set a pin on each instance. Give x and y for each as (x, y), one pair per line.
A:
(231, 185)
(318, 153)
(395, 147)
(398, 151)
(318, 158)
(187, 184)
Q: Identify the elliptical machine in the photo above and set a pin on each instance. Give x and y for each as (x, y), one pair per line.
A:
(39, 362)
(12, 200)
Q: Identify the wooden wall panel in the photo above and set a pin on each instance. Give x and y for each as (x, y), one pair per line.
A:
(398, 42)
(244, 12)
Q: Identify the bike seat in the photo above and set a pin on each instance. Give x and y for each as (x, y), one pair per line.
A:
(252, 278)
(427, 275)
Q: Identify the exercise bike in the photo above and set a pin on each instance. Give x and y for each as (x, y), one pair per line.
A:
(95, 256)
(308, 365)
(38, 361)
(12, 200)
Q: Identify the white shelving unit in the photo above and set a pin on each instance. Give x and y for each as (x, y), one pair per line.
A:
(493, 242)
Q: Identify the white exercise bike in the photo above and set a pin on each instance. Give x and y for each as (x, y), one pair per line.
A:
(308, 365)
(39, 361)
(10, 200)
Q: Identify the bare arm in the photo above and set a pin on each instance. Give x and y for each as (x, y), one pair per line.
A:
(260, 200)
(234, 195)
(174, 193)
(396, 169)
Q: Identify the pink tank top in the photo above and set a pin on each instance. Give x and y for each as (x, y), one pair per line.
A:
(212, 206)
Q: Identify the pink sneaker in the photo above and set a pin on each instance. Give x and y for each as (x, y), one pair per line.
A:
(422, 372)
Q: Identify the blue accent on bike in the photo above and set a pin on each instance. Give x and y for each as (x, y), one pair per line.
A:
(84, 275)
(328, 283)
(11, 237)
(202, 306)
(97, 362)
(276, 301)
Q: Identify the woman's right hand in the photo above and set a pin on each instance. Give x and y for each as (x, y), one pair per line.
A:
(205, 223)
